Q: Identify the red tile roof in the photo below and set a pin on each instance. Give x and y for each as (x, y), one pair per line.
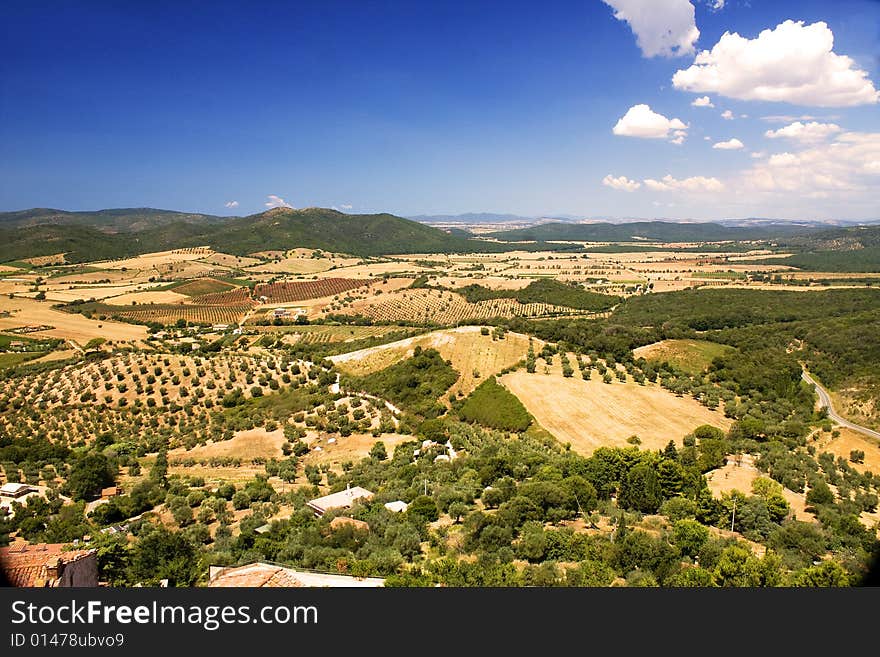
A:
(25, 565)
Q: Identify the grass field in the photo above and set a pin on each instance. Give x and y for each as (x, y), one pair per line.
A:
(847, 441)
(692, 356)
(13, 359)
(202, 286)
(475, 356)
(592, 414)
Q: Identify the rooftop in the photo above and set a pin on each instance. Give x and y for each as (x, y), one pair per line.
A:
(262, 575)
(25, 565)
(342, 499)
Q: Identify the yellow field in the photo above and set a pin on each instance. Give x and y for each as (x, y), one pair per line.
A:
(67, 326)
(470, 352)
(145, 298)
(246, 445)
(591, 414)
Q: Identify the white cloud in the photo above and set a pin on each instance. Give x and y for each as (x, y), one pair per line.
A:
(717, 5)
(727, 115)
(793, 63)
(693, 184)
(845, 168)
(277, 202)
(641, 121)
(344, 207)
(729, 145)
(806, 133)
(788, 118)
(231, 204)
(702, 101)
(757, 155)
(662, 27)
(622, 183)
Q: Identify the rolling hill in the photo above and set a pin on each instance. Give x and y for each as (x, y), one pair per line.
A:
(113, 220)
(639, 231)
(112, 234)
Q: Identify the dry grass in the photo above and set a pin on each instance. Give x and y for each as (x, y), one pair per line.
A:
(469, 351)
(146, 298)
(348, 448)
(740, 476)
(67, 326)
(847, 441)
(246, 445)
(690, 355)
(591, 414)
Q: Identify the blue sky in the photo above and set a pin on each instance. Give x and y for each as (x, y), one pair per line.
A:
(421, 108)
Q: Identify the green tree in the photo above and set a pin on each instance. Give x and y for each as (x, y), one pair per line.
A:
(89, 475)
(641, 489)
(378, 451)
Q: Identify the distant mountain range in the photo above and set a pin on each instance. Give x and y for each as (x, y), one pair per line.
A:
(125, 232)
(484, 218)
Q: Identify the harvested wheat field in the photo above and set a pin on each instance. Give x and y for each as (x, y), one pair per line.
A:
(740, 472)
(66, 326)
(244, 445)
(146, 298)
(475, 356)
(592, 414)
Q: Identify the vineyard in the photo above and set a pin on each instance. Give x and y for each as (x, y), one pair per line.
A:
(303, 290)
(170, 313)
(441, 307)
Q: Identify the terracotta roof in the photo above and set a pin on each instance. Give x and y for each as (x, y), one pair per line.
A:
(25, 565)
(256, 575)
(262, 575)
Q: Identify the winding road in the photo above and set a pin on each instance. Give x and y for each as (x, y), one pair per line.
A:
(825, 402)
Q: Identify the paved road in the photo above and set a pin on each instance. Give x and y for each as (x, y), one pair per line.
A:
(825, 402)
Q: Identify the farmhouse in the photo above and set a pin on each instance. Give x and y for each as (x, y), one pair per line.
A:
(111, 491)
(20, 493)
(344, 499)
(260, 575)
(48, 565)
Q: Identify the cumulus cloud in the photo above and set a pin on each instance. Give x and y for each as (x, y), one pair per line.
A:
(702, 101)
(727, 115)
(662, 27)
(757, 155)
(231, 204)
(717, 5)
(344, 207)
(729, 145)
(641, 121)
(846, 168)
(277, 202)
(788, 118)
(693, 184)
(793, 63)
(806, 133)
(622, 183)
